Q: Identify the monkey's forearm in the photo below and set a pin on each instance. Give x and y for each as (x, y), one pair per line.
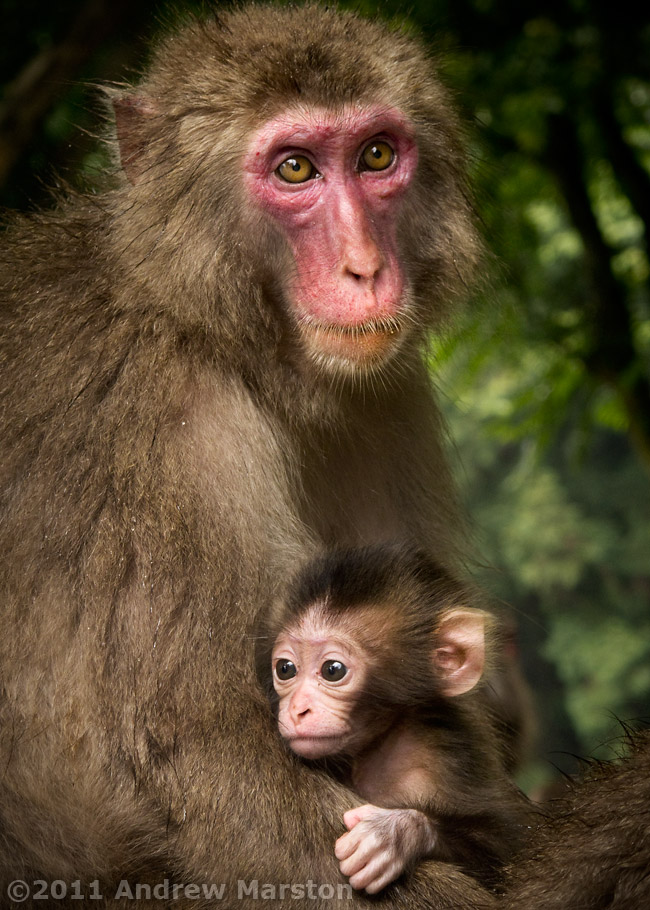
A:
(250, 841)
(255, 846)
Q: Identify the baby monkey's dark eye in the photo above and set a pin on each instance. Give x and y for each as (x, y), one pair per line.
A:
(333, 670)
(285, 669)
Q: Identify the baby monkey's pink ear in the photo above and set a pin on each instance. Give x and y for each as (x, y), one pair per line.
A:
(459, 655)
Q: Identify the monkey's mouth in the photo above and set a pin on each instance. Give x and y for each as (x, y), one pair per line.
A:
(364, 344)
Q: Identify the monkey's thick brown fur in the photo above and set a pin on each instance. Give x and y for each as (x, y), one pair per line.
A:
(168, 455)
(594, 852)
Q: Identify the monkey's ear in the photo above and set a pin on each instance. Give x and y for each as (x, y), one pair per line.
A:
(459, 655)
(131, 114)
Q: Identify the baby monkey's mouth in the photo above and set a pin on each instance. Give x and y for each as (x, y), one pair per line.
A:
(315, 746)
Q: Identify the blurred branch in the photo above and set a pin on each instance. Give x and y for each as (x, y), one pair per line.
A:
(612, 356)
(630, 173)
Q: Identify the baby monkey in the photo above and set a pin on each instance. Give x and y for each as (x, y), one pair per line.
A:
(375, 664)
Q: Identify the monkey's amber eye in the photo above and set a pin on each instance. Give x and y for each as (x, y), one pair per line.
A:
(297, 169)
(285, 669)
(333, 670)
(377, 156)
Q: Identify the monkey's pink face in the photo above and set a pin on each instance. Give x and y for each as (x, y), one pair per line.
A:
(318, 679)
(333, 182)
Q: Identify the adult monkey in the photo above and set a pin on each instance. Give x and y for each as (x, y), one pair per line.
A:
(210, 368)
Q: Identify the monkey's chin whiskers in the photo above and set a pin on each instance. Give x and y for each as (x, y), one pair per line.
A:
(365, 346)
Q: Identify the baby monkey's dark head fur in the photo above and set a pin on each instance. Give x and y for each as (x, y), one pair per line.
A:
(390, 599)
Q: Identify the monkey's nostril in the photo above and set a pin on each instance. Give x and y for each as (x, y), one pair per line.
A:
(368, 277)
(300, 713)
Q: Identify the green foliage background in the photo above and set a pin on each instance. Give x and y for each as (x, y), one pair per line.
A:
(545, 378)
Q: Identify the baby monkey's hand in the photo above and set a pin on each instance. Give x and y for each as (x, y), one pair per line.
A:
(381, 844)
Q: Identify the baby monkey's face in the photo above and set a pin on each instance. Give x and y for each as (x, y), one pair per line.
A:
(318, 678)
